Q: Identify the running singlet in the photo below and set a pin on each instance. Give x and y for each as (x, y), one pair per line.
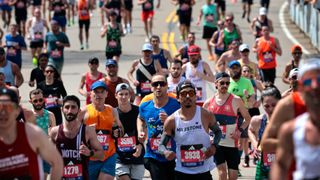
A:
(103, 122)
(259, 25)
(113, 39)
(111, 99)
(75, 164)
(227, 119)
(229, 37)
(18, 160)
(37, 29)
(43, 121)
(89, 82)
(266, 55)
(147, 6)
(191, 139)
(161, 58)
(150, 115)
(8, 74)
(144, 87)
(83, 10)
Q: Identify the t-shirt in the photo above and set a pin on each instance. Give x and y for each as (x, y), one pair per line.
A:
(210, 15)
(55, 52)
(242, 88)
(37, 74)
(150, 115)
(125, 145)
(13, 54)
(52, 92)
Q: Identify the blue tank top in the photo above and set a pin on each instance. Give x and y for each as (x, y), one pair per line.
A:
(161, 58)
(262, 126)
(7, 71)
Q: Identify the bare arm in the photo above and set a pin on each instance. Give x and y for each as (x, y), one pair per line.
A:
(221, 64)
(167, 55)
(82, 83)
(220, 40)
(278, 47)
(140, 2)
(285, 74)
(270, 24)
(117, 120)
(255, 46)
(244, 112)
(94, 143)
(52, 121)
(199, 17)
(141, 124)
(104, 30)
(18, 78)
(159, 68)
(253, 130)
(208, 76)
(214, 36)
(131, 71)
(252, 26)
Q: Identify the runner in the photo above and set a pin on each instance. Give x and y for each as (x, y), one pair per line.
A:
(114, 6)
(150, 125)
(145, 68)
(232, 54)
(160, 54)
(37, 4)
(106, 121)
(44, 119)
(23, 144)
(209, 11)
(183, 51)
(246, 6)
(127, 19)
(6, 12)
(37, 74)
(184, 13)
(53, 92)
(296, 52)
(35, 33)
(298, 139)
(20, 12)
(71, 11)
(175, 76)
(269, 98)
(89, 78)
(221, 7)
(83, 7)
(293, 76)
(225, 107)
(147, 16)
(75, 141)
(55, 42)
(114, 31)
(198, 72)
(267, 47)
(244, 60)
(258, 22)
(265, 4)
(59, 13)
(214, 41)
(15, 44)
(112, 80)
(189, 127)
(130, 151)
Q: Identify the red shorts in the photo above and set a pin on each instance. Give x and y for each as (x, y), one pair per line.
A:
(145, 15)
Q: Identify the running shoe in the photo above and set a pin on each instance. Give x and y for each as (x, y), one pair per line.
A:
(81, 47)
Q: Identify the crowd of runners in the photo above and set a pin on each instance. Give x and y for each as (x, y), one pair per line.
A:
(159, 116)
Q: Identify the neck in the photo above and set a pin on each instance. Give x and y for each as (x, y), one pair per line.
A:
(94, 72)
(112, 78)
(160, 101)
(175, 80)
(188, 112)
(236, 80)
(222, 95)
(156, 49)
(9, 134)
(71, 126)
(38, 112)
(245, 59)
(125, 107)
(49, 81)
(99, 106)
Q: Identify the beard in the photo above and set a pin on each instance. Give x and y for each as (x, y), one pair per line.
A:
(70, 117)
(175, 75)
(236, 75)
(194, 62)
(38, 107)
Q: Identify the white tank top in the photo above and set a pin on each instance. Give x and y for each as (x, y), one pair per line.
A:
(307, 156)
(172, 86)
(191, 137)
(197, 81)
(37, 29)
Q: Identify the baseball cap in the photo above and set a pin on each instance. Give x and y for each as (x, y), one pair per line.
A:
(111, 62)
(296, 47)
(93, 60)
(99, 84)
(13, 95)
(263, 11)
(221, 75)
(147, 47)
(234, 62)
(122, 86)
(183, 85)
(193, 49)
(308, 65)
(293, 72)
(244, 47)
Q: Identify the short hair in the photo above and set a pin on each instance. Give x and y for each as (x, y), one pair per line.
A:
(71, 98)
(35, 92)
(176, 61)
(155, 37)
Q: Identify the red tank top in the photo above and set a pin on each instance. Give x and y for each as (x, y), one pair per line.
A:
(18, 160)
(111, 99)
(89, 82)
(266, 55)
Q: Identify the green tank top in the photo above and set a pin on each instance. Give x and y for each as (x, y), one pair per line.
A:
(113, 39)
(43, 121)
(229, 37)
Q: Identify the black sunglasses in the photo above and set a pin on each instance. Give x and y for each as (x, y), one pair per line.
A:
(157, 83)
(224, 83)
(37, 100)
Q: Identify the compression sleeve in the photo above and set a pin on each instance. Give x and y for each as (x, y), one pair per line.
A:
(163, 143)
(217, 134)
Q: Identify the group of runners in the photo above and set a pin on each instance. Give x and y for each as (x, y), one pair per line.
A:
(160, 117)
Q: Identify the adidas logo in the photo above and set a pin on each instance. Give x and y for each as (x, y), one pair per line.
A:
(70, 163)
(192, 148)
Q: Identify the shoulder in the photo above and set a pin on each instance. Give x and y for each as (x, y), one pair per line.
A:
(286, 130)
(256, 119)
(54, 132)
(33, 132)
(205, 112)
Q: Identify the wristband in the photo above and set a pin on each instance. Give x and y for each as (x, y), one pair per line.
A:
(91, 153)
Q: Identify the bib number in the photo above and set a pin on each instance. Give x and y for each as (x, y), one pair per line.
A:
(184, 7)
(146, 87)
(267, 57)
(38, 36)
(199, 93)
(192, 155)
(147, 5)
(72, 171)
(12, 51)
(103, 139)
(268, 158)
(20, 4)
(50, 101)
(112, 44)
(56, 54)
(210, 18)
(84, 12)
(126, 144)
(224, 131)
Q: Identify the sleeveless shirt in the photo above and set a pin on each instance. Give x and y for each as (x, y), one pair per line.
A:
(89, 82)
(161, 58)
(199, 83)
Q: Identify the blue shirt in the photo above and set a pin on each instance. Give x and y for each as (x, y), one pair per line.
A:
(150, 115)
(13, 54)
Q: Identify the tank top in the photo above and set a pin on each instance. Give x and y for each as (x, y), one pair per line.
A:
(191, 137)
(299, 106)
(161, 58)
(293, 65)
(184, 54)
(307, 156)
(7, 70)
(259, 25)
(89, 82)
(113, 39)
(103, 122)
(185, 7)
(144, 87)
(83, 10)
(37, 29)
(266, 55)
(147, 6)
(172, 86)
(18, 160)
(57, 8)
(199, 83)
(75, 164)
(43, 121)
(227, 119)
(229, 37)
(111, 99)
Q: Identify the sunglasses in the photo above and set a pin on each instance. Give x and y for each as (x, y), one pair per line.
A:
(157, 83)
(222, 83)
(308, 82)
(49, 71)
(191, 93)
(37, 100)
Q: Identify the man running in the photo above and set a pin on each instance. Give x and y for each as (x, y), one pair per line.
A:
(21, 14)
(160, 54)
(258, 22)
(147, 16)
(23, 144)
(59, 13)
(189, 126)
(296, 52)
(175, 76)
(232, 54)
(84, 20)
(183, 51)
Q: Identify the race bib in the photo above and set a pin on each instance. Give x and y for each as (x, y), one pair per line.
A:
(84, 12)
(267, 57)
(20, 4)
(112, 44)
(147, 5)
(50, 101)
(12, 51)
(57, 8)
(38, 36)
(56, 54)
(184, 7)
(192, 155)
(199, 93)
(103, 139)
(268, 158)
(224, 131)
(127, 144)
(145, 86)
(73, 171)
(210, 18)
(155, 142)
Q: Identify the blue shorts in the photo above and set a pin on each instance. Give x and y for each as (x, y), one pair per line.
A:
(107, 166)
(62, 20)
(6, 8)
(46, 167)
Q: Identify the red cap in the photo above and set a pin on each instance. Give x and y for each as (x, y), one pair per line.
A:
(296, 47)
(193, 49)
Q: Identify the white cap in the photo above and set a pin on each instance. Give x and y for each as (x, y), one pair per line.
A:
(308, 65)
(262, 11)
(293, 72)
(147, 47)
(243, 47)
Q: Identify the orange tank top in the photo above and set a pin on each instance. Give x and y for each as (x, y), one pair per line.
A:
(266, 55)
(103, 122)
(83, 10)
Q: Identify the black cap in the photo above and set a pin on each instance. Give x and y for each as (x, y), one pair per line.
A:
(183, 85)
(222, 75)
(13, 95)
